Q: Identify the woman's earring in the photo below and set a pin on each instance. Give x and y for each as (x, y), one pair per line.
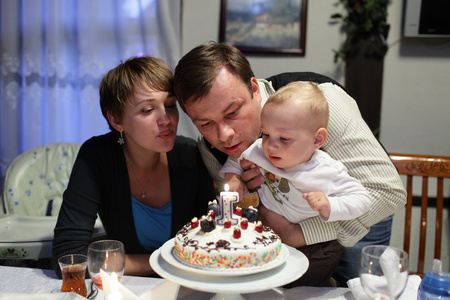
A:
(121, 141)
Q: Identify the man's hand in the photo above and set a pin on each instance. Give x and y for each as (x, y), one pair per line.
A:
(318, 202)
(290, 234)
(251, 176)
(235, 184)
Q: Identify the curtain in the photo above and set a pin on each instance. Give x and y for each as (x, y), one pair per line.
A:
(53, 55)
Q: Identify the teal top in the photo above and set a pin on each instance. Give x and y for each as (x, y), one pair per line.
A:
(152, 225)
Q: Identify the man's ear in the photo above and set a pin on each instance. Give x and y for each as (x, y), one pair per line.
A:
(114, 122)
(255, 89)
(255, 85)
(320, 137)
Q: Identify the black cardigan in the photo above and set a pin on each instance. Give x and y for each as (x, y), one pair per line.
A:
(99, 184)
(283, 79)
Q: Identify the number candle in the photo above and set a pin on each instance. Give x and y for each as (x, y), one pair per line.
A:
(226, 203)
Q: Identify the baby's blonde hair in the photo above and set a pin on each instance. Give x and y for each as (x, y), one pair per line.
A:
(307, 93)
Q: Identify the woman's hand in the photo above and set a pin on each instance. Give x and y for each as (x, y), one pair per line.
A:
(138, 265)
(251, 176)
(290, 234)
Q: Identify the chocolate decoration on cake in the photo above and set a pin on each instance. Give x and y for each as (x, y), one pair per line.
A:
(212, 205)
(207, 224)
(250, 213)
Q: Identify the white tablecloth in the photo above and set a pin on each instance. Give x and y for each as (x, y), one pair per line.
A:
(43, 284)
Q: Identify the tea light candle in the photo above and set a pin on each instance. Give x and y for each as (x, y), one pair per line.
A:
(114, 285)
(226, 203)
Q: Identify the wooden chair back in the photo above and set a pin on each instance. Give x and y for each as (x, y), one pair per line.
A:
(425, 166)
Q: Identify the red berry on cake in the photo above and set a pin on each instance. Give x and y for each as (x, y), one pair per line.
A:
(238, 211)
(259, 227)
(237, 233)
(227, 223)
(244, 223)
(212, 214)
(194, 223)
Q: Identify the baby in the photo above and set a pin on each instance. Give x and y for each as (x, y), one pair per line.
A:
(301, 180)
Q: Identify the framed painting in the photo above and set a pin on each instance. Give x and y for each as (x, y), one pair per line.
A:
(264, 26)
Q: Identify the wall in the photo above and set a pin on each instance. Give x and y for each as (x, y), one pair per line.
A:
(416, 92)
(415, 118)
(416, 88)
(319, 56)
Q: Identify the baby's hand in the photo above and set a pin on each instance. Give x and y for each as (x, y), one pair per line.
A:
(318, 202)
(235, 184)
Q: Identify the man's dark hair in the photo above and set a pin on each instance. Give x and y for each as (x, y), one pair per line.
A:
(197, 70)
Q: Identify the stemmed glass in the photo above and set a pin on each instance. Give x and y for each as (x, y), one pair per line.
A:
(106, 255)
(383, 271)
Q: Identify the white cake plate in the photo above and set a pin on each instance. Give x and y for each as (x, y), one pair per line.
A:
(231, 287)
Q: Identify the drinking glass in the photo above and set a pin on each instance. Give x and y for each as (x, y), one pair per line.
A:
(73, 271)
(383, 271)
(106, 255)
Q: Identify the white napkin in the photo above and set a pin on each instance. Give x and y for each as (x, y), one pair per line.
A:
(389, 264)
(410, 292)
(113, 290)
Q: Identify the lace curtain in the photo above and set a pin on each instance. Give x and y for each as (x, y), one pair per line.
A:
(53, 54)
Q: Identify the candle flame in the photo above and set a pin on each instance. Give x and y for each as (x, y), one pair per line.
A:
(114, 278)
(226, 187)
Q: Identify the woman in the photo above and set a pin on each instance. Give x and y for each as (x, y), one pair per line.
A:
(142, 180)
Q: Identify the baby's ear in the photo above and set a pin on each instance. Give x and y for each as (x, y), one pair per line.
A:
(320, 137)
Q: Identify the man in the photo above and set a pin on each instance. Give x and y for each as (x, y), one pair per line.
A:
(215, 86)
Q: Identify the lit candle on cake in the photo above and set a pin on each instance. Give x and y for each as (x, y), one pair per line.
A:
(226, 203)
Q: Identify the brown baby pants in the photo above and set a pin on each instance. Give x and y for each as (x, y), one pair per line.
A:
(323, 260)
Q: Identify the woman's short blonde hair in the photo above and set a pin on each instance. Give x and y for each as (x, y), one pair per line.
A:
(119, 84)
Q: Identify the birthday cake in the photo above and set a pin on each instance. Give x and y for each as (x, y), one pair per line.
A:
(232, 241)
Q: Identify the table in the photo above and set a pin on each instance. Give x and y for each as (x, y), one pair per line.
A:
(37, 281)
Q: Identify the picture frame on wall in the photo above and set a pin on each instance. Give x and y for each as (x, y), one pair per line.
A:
(276, 27)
